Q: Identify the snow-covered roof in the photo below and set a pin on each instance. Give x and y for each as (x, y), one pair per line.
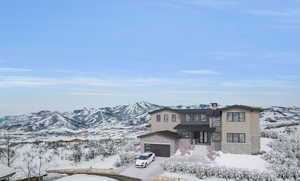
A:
(6, 171)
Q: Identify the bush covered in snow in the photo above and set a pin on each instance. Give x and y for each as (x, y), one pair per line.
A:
(269, 134)
(285, 156)
(203, 171)
(33, 158)
(125, 158)
(128, 154)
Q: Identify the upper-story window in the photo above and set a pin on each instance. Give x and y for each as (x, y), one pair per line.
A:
(166, 117)
(187, 117)
(236, 116)
(197, 117)
(158, 118)
(203, 117)
(173, 117)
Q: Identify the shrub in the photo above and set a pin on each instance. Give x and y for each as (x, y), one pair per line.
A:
(203, 171)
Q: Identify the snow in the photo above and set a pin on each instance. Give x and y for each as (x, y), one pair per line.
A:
(153, 170)
(251, 162)
(82, 177)
(187, 177)
(198, 154)
(4, 171)
(264, 143)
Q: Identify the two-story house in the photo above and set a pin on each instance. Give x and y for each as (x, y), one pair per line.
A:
(232, 129)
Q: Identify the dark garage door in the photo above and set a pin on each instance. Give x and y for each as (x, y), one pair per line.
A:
(158, 149)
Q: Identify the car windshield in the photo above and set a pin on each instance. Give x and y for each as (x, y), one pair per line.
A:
(143, 157)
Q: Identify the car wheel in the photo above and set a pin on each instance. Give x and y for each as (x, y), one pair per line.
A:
(146, 165)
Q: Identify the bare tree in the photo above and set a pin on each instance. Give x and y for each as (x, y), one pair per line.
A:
(7, 151)
(29, 166)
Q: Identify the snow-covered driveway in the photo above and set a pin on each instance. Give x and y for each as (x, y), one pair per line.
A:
(153, 170)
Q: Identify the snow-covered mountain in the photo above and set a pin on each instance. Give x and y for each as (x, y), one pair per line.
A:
(276, 117)
(132, 114)
(121, 116)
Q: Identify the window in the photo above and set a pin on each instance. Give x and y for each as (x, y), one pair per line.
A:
(158, 119)
(197, 117)
(187, 117)
(242, 116)
(184, 133)
(236, 116)
(236, 138)
(166, 117)
(203, 117)
(173, 117)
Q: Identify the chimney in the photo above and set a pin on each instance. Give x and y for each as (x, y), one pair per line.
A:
(214, 106)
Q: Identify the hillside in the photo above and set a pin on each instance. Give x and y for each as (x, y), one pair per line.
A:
(91, 120)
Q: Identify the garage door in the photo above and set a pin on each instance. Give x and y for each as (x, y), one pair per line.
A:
(159, 149)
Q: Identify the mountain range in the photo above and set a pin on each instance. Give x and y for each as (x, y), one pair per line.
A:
(124, 115)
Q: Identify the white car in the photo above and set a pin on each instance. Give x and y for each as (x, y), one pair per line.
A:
(145, 159)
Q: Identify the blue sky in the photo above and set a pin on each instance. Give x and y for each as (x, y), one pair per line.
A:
(66, 54)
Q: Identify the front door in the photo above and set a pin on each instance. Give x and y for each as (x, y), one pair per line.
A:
(200, 137)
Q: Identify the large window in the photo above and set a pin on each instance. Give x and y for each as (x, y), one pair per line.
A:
(187, 117)
(236, 138)
(236, 116)
(166, 117)
(203, 117)
(173, 117)
(158, 118)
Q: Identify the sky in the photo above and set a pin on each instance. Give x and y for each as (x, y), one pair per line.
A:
(68, 54)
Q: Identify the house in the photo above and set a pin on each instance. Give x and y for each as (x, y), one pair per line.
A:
(232, 129)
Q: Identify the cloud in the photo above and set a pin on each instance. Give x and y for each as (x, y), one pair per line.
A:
(229, 92)
(96, 94)
(276, 13)
(206, 3)
(200, 72)
(283, 19)
(260, 84)
(224, 55)
(9, 69)
(26, 81)
(195, 92)
(231, 55)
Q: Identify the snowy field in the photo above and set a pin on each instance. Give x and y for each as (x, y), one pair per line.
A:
(82, 177)
(250, 162)
(33, 159)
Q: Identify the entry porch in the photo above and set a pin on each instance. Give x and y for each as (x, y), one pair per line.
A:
(198, 134)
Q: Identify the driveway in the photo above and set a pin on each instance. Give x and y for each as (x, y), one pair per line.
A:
(146, 174)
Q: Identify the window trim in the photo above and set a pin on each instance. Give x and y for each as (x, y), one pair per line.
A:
(166, 117)
(158, 118)
(173, 117)
(231, 116)
(231, 137)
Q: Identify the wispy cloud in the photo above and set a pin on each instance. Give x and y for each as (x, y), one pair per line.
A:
(195, 92)
(232, 55)
(26, 81)
(96, 94)
(276, 13)
(10, 69)
(206, 3)
(283, 19)
(218, 93)
(201, 72)
(260, 84)
(223, 55)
